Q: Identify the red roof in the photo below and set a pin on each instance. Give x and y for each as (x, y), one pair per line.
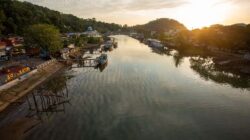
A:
(2, 45)
(12, 69)
(13, 41)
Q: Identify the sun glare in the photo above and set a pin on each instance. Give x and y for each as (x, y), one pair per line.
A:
(200, 13)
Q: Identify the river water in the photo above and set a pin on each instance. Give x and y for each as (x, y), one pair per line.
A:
(142, 94)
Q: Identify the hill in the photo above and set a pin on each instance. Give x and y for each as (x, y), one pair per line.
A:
(161, 25)
(232, 37)
(16, 16)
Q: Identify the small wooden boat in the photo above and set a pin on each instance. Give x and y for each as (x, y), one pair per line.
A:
(107, 46)
(101, 60)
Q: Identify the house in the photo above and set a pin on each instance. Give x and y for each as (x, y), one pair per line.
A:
(14, 45)
(71, 46)
(2, 49)
(247, 56)
(68, 35)
(10, 73)
(14, 41)
(132, 34)
(153, 33)
(91, 33)
(172, 32)
(65, 53)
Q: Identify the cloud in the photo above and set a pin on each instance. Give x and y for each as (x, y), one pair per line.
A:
(94, 7)
(155, 4)
(140, 11)
(240, 2)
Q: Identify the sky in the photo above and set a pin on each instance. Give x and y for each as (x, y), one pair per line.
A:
(192, 13)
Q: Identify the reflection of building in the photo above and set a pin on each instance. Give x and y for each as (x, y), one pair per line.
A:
(90, 32)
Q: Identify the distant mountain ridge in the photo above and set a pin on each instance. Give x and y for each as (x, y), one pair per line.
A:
(161, 25)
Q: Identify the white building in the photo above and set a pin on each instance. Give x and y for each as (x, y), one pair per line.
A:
(91, 33)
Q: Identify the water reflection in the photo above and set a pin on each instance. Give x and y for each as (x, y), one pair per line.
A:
(178, 59)
(102, 67)
(142, 95)
(207, 70)
(49, 99)
(161, 51)
(177, 56)
(42, 103)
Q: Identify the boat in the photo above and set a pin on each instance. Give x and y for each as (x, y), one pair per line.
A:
(110, 44)
(154, 43)
(107, 46)
(102, 59)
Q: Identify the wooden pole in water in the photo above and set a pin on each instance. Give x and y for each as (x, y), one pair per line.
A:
(36, 106)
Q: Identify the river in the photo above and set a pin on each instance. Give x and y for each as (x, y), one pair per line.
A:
(142, 94)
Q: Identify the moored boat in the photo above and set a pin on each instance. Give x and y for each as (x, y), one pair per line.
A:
(154, 43)
(102, 59)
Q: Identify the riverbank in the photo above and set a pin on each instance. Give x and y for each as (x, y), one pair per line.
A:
(19, 90)
(139, 90)
(227, 61)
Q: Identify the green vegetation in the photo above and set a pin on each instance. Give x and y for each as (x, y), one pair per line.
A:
(224, 38)
(159, 27)
(209, 71)
(232, 38)
(2, 20)
(20, 15)
(94, 40)
(46, 37)
(81, 41)
(78, 41)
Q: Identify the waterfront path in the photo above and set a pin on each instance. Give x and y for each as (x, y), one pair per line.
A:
(18, 91)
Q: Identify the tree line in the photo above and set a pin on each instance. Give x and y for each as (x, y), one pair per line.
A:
(16, 17)
(231, 38)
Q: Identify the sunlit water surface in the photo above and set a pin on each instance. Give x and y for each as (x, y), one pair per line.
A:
(143, 95)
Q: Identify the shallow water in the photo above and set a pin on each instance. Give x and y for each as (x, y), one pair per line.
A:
(142, 94)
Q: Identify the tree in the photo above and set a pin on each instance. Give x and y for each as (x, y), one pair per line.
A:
(44, 36)
(80, 41)
(2, 19)
(19, 14)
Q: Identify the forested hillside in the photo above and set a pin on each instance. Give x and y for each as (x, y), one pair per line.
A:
(233, 37)
(161, 25)
(16, 16)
